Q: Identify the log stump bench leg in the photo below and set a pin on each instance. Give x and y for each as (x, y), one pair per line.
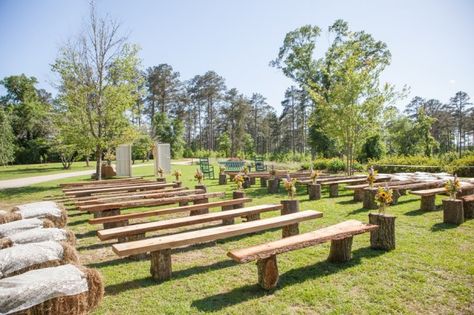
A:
(273, 185)
(161, 180)
(132, 238)
(468, 210)
(428, 203)
(253, 217)
(384, 236)
(108, 213)
(230, 220)
(222, 179)
(267, 272)
(290, 206)
(369, 199)
(202, 211)
(453, 212)
(395, 195)
(314, 191)
(359, 194)
(160, 268)
(263, 182)
(178, 184)
(403, 192)
(333, 190)
(246, 183)
(252, 180)
(341, 250)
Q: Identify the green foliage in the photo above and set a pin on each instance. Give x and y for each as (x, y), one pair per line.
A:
(336, 165)
(248, 145)
(224, 144)
(142, 146)
(373, 148)
(170, 131)
(7, 145)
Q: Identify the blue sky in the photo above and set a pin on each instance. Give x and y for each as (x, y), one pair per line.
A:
(432, 42)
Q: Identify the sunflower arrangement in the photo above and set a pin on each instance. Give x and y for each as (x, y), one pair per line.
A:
(384, 197)
(177, 174)
(372, 176)
(245, 170)
(160, 172)
(290, 186)
(453, 187)
(199, 176)
(221, 170)
(314, 175)
(239, 180)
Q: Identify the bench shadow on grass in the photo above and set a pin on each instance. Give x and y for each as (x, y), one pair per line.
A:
(438, 227)
(292, 277)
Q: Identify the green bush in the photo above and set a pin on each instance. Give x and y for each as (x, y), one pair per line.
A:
(336, 165)
(321, 164)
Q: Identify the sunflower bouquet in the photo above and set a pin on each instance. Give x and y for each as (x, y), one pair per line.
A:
(314, 175)
(245, 170)
(160, 172)
(453, 187)
(221, 170)
(372, 176)
(290, 186)
(239, 180)
(384, 197)
(177, 174)
(199, 176)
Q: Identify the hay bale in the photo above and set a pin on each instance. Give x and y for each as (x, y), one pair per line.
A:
(5, 243)
(22, 258)
(14, 227)
(42, 210)
(6, 216)
(39, 235)
(84, 288)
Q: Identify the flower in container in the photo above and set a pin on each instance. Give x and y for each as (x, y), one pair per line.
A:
(177, 174)
(384, 198)
(239, 180)
(160, 172)
(314, 175)
(290, 186)
(199, 176)
(453, 187)
(372, 176)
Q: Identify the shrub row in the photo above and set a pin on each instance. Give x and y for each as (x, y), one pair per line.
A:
(333, 165)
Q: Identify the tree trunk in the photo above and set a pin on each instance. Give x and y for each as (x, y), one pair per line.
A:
(314, 191)
(468, 210)
(428, 203)
(369, 199)
(267, 272)
(384, 236)
(453, 212)
(341, 250)
(359, 194)
(203, 211)
(160, 268)
(222, 179)
(290, 206)
(333, 190)
(98, 167)
(108, 213)
(273, 185)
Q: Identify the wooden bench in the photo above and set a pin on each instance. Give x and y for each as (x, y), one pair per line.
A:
(239, 202)
(340, 236)
(113, 194)
(233, 166)
(334, 185)
(428, 196)
(139, 187)
(468, 204)
(138, 230)
(160, 247)
(359, 188)
(100, 182)
(108, 185)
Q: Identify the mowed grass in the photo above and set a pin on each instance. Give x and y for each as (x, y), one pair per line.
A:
(22, 171)
(431, 270)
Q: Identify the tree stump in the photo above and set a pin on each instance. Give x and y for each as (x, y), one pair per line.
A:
(263, 182)
(402, 192)
(252, 180)
(202, 211)
(369, 199)
(290, 206)
(395, 195)
(238, 195)
(466, 192)
(468, 209)
(333, 190)
(201, 186)
(341, 250)
(177, 184)
(222, 179)
(246, 183)
(273, 186)
(230, 220)
(161, 180)
(267, 272)
(428, 203)
(384, 236)
(132, 238)
(359, 194)
(160, 268)
(314, 191)
(109, 213)
(453, 212)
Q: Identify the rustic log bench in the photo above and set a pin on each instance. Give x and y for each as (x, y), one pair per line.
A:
(122, 184)
(334, 185)
(160, 247)
(100, 182)
(139, 187)
(468, 205)
(122, 194)
(359, 188)
(340, 236)
(428, 196)
(137, 231)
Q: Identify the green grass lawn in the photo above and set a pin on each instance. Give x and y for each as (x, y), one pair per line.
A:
(431, 270)
(21, 171)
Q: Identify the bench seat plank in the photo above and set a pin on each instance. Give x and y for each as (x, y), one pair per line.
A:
(121, 188)
(120, 193)
(211, 234)
(334, 232)
(141, 228)
(380, 184)
(158, 212)
(354, 180)
(440, 190)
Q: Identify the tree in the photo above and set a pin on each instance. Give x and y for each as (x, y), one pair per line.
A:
(7, 145)
(235, 113)
(99, 77)
(171, 132)
(224, 143)
(373, 148)
(459, 106)
(344, 83)
(141, 147)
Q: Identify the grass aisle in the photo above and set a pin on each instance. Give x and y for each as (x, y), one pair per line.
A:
(431, 271)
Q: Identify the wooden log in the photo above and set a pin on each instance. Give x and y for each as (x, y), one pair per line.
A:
(246, 183)
(395, 195)
(333, 190)
(359, 194)
(453, 212)
(384, 236)
(403, 192)
(267, 272)
(228, 221)
(161, 180)
(341, 250)
(178, 184)
(466, 192)
(290, 206)
(108, 213)
(369, 199)
(160, 268)
(222, 179)
(253, 180)
(201, 186)
(132, 238)
(200, 211)
(263, 182)
(428, 203)
(314, 191)
(273, 185)
(468, 210)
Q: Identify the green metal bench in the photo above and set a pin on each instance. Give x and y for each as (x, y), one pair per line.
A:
(206, 168)
(233, 166)
(260, 164)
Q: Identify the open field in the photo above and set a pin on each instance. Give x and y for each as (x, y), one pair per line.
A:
(431, 271)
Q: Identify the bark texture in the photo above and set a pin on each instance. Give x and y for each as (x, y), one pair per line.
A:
(428, 203)
(108, 213)
(341, 250)
(384, 236)
(359, 194)
(314, 191)
(222, 179)
(160, 268)
(290, 206)
(273, 185)
(202, 211)
(333, 190)
(267, 272)
(369, 199)
(468, 210)
(453, 212)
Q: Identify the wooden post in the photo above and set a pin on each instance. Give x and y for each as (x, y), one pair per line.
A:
(161, 180)
(246, 183)
(403, 192)
(333, 190)
(290, 206)
(267, 272)
(238, 195)
(160, 268)
(341, 250)
(468, 207)
(252, 180)
(359, 194)
(314, 191)
(230, 220)
(369, 198)
(384, 236)
(453, 212)
(201, 186)
(263, 182)
(108, 213)
(428, 203)
(202, 211)
(273, 185)
(222, 179)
